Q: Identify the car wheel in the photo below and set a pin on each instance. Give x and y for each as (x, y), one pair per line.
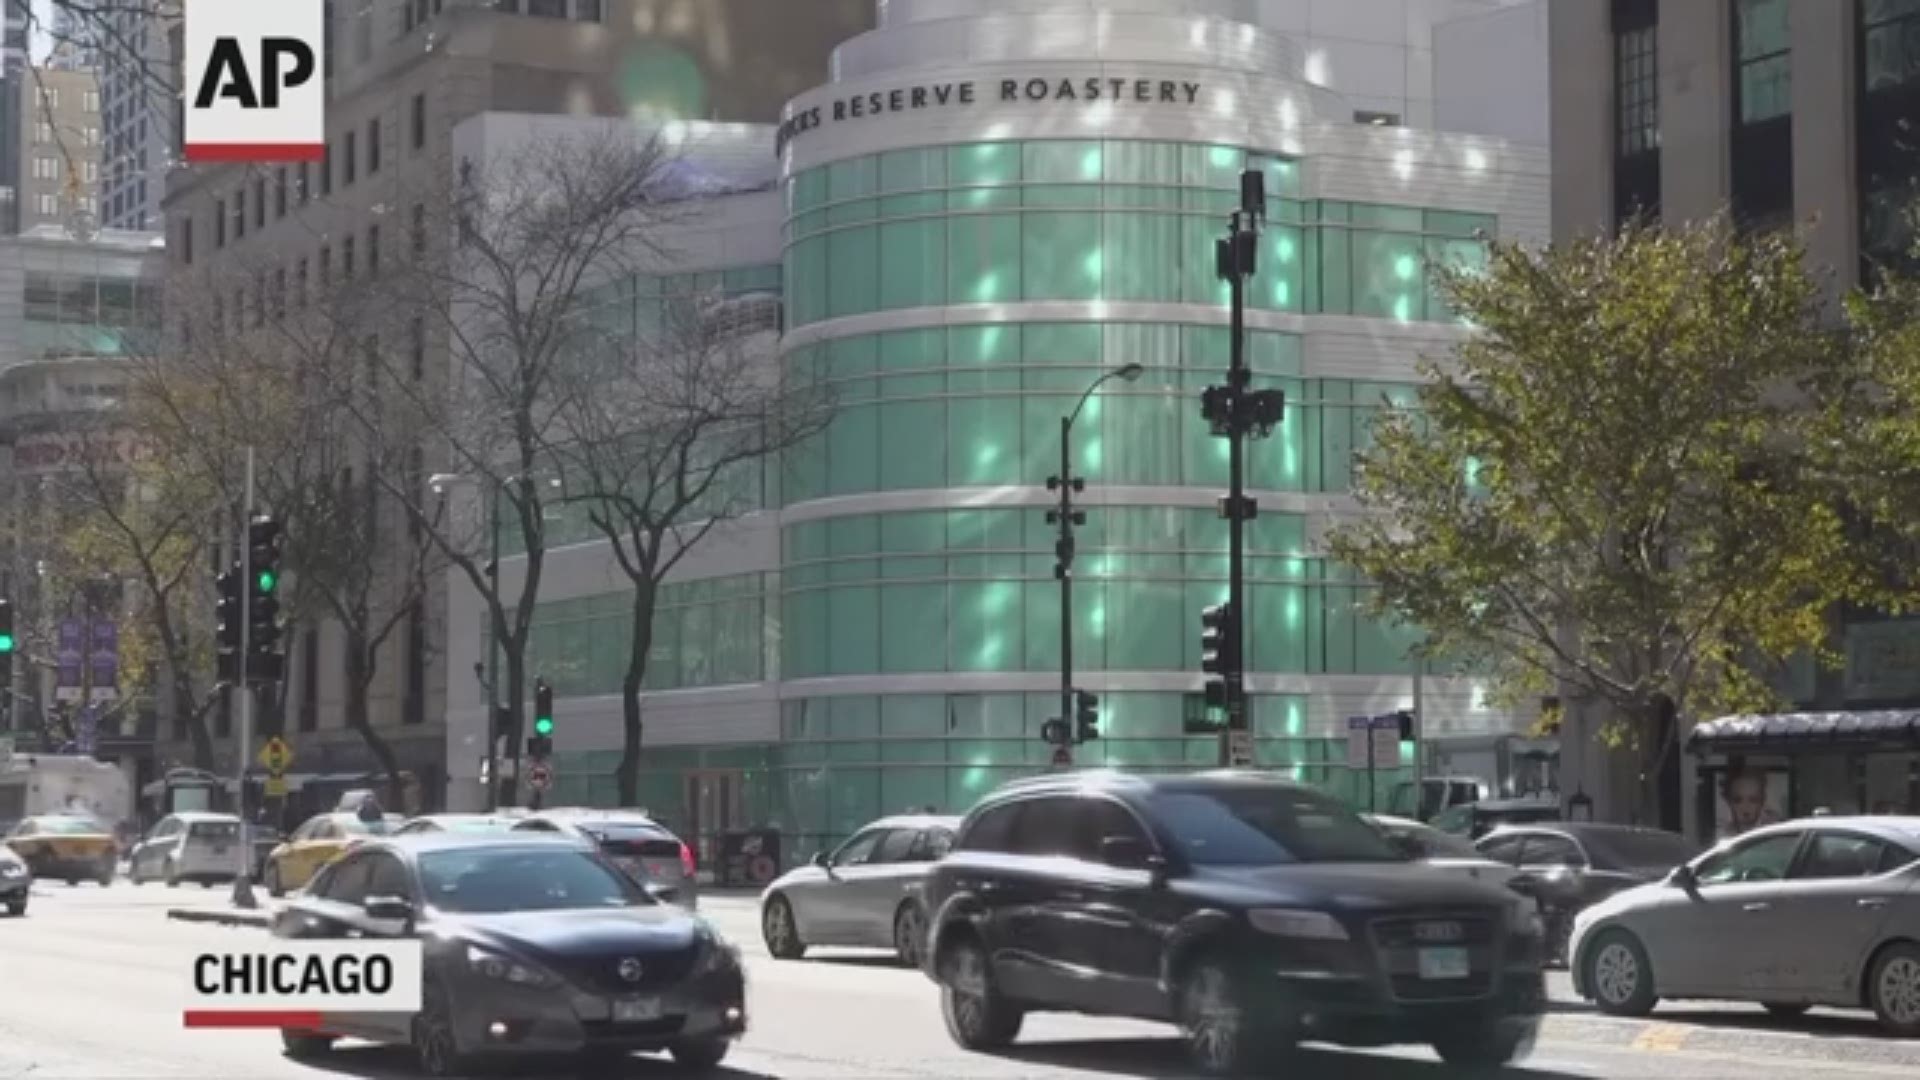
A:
(1488, 1045)
(304, 1045)
(977, 1017)
(909, 934)
(699, 1055)
(434, 1046)
(274, 888)
(1786, 1010)
(107, 874)
(1893, 989)
(1222, 1039)
(1619, 975)
(780, 931)
(17, 908)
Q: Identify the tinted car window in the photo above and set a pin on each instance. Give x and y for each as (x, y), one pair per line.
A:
(347, 884)
(1504, 849)
(932, 845)
(387, 877)
(992, 830)
(1431, 843)
(219, 832)
(1260, 826)
(1639, 849)
(897, 847)
(859, 850)
(1545, 849)
(1102, 820)
(1765, 859)
(1895, 857)
(493, 880)
(1050, 826)
(1839, 855)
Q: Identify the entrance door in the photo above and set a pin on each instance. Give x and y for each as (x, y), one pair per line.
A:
(710, 806)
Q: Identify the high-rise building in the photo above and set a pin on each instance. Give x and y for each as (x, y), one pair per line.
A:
(60, 150)
(992, 205)
(76, 39)
(139, 73)
(13, 75)
(401, 76)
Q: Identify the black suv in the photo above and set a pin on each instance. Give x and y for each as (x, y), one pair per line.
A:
(1252, 912)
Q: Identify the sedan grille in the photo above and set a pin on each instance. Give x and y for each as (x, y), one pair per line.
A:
(601, 974)
(1401, 941)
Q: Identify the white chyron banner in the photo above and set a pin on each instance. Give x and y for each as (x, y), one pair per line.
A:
(277, 975)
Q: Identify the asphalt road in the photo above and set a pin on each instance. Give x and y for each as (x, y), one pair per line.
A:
(90, 990)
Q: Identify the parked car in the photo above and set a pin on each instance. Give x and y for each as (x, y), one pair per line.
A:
(16, 882)
(1250, 911)
(866, 892)
(67, 846)
(200, 847)
(322, 839)
(497, 822)
(533, 947)
(1567, 866)
(635, 842)
(1422, 801)
(1424, 843)
(1475, 820)
(1824, 911)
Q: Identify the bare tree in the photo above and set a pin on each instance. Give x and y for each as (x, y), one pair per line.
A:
(500, 275)
(667, 430)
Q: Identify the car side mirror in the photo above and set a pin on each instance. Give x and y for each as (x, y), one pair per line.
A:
(1124, 852)
(389, 909)
(1683, 878)
(1407, 846)
(821, 860)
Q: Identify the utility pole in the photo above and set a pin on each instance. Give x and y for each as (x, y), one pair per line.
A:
(243, 897)
(1064, 517)
(1235, 412)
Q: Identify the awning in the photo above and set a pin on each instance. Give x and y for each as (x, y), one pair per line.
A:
(1891, 729)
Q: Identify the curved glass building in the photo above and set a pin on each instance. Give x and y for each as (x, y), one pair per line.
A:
(994, 204)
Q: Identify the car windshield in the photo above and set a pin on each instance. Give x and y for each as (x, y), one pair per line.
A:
(1263, 826)
(214, 830)
(68, 826)
(1640, 848)
(476, 825)
(492, 880)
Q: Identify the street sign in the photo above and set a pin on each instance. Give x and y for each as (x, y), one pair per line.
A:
(276, 756)
(86, 730)
(276, 787)
(1240, 749)
(1386, 742)
(1359, 741)
(540, 776)
(1062, 757)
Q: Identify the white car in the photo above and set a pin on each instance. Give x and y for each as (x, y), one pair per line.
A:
(195, 846)
(1444, 851)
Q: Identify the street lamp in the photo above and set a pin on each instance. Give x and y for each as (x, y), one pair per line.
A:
(1064, 517)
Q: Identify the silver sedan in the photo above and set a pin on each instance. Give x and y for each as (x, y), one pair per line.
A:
(1824, 911)
(866, 893)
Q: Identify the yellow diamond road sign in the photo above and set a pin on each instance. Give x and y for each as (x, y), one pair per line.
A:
(276, 755)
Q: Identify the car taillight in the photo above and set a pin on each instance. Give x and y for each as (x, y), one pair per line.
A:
(686, 859)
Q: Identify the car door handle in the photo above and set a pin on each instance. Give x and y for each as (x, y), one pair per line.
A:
(1756, 907)
(1875, 903)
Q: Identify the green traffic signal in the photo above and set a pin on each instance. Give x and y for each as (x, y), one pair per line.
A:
(266, 580)
(6, 643)
(541, 725)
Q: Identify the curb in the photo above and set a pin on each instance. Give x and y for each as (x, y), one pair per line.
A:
(1739, 1039)
(259, 919)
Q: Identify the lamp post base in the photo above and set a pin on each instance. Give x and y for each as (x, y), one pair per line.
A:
(243, 897)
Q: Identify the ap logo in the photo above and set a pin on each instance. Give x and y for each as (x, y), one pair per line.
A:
(253, 80)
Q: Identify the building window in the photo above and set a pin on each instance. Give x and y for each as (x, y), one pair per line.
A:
(417, 347)
(1890, 43)
(280, 292)
(280, 192)
(373, 146)
(346, 259)
(1637, 86)
(93, 172)
(93, 136)
(42, 132)
(186, 240)
(49, 205)
(417, 125)
(300, 283)
(91, 101)
(1376, 119)
(547, 9)
(1763, 80)
(587, 10)
(418, 229)
(326, 266)
(239, 213)
(373, 249)
(260, 202)
(219, 223)
(349, 160)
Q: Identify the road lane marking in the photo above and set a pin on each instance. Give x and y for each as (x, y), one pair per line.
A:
(1663, 1038)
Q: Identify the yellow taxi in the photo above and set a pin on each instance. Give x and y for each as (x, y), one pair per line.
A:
(324, 838)
(68, 846)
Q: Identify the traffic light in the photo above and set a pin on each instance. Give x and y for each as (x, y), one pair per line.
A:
(265, 539)
(1086, 717)
(1219, 646)
(541, 744)
(1055, 732)
(6, 629)
(226, 613)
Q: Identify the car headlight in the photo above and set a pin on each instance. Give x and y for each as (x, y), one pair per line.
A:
(1294, 923)
(9, 868)
(506, 969)
(717, 955)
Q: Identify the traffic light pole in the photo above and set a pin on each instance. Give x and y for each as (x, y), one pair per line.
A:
(243, 897)
(1065, 553)
(1237, 509)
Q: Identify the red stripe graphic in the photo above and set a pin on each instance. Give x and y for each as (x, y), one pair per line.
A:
(299, 1020)
(256, 151)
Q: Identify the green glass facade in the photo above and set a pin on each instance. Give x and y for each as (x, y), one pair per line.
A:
(950, 399)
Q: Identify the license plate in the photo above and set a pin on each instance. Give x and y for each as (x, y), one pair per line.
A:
(631, 1009)
(1447, 963)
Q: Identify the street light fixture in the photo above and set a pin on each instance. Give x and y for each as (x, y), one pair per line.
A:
(1064, 517)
